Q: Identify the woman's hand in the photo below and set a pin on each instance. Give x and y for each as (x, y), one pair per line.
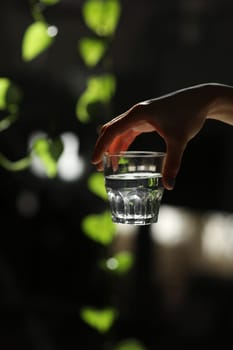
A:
(176, 117)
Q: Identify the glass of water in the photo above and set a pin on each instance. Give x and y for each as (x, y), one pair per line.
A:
(133, 181)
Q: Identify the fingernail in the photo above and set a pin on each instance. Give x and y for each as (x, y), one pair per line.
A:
(171, 184)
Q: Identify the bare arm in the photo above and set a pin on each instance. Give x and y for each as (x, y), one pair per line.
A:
(221, 107)
(177, 117)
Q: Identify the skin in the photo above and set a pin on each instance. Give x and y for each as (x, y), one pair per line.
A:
(177, 117)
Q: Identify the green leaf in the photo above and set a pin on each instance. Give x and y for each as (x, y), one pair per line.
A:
(91, 50)
(95, 184)
(4, 87)
(13, 96)
(120, 263)
(10, 95)
(123, 161)
(49, 2)
(99, 89)
(36, 40)
(48, 151)
(99, 227)
(102, 16)
(130, 344)
(7, 121)
(101, 320)
(56, 148)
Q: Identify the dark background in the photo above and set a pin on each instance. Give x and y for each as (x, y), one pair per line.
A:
(48, 268)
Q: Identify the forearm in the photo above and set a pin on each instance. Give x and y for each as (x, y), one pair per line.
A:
(214, 100)
(220, 106)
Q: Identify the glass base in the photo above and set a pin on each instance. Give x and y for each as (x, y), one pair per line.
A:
(135, 221)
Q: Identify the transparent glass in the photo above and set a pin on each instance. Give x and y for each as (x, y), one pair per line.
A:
(133, 182)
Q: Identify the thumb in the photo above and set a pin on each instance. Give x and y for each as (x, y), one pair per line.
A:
(175, 150)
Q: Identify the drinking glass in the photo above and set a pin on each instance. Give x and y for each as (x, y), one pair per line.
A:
(133, 181)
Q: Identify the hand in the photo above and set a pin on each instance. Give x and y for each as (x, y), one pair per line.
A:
(176, 117)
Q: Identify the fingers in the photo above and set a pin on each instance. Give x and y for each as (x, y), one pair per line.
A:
(175, 150)
(120, 143)
(101, 146)
(108, 133)
(117, 135)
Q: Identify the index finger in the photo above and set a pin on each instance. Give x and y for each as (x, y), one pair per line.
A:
(108, 132)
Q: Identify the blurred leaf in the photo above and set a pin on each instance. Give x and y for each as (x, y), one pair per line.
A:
(56, 148)
(95, 184)
(4, 86)
(120, 263)
(91, 50)
(130, 344)
(6, 122)
(99, 227)
(15, 166)
(10, 95)
(102, 16)
(123, 161)
(49, 2)
(48, 151)
(101, 320)
(36, 39)
(99, 89)
(13, 96)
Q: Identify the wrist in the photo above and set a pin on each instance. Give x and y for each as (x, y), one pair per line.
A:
(220, 102)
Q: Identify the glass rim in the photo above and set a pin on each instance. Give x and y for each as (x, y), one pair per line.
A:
(131, 154)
